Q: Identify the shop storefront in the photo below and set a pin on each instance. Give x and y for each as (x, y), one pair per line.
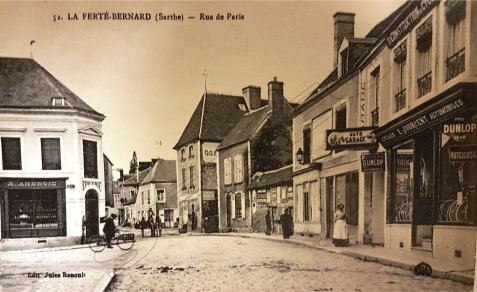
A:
(431, 181)
(32, 207)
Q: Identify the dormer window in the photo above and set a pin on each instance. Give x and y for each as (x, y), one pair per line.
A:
(58, 101)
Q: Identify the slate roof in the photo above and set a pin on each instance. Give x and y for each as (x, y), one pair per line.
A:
(282, 176)
(245, 127)
(161, 171)
(133, 179)
(214, 120)
(171, 200)
(26, 84)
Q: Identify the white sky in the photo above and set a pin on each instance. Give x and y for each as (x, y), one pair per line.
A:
(147, 77)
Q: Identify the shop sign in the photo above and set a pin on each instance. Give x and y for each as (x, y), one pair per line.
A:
(422, 8)
(422, 121)
(261, 195)
(208, 195)
(32, 184)
(209, 152)
(404, 161)
(462, 153)
(353, 138)
(372, 162)
(459, 129)
(87, 183)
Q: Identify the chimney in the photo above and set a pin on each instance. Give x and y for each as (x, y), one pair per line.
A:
(121, 174)
(344, 27)
(252, 96)
(275, 95)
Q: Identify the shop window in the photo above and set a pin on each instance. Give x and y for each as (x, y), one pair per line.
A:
(238, 168)
(191, 176)
(90, 159)
(423, 55)
(34, 212)
(306, 202)
(457, 184)
(400, 73)
(455, 38)
(50, 154)
(11, 154)
(403, 178)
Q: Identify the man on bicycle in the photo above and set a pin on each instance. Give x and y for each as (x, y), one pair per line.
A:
(109, 229)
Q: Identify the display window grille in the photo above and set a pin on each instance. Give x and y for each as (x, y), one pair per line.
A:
(32, 209)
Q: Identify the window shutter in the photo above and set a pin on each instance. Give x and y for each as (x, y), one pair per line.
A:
(243, 205)
(232, 199)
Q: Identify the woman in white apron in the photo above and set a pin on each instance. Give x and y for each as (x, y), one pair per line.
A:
(340, 232)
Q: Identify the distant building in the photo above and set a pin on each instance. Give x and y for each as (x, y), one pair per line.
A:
(212, 120)
(52, 170)
(271, 191)
(260, 141)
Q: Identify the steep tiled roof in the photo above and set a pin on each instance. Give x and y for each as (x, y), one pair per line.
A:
(171, 200)
(378, 29)
(282, 176)
(214, 120)
(162, 171)
(245, 127)
(133, 179)
(26, 84)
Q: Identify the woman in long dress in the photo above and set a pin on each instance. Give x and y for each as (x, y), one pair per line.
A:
(340, 232)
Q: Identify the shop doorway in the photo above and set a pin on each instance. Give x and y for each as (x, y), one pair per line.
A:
(92, 215)
(423, 211)
(168, 218)
(329, 206)
(229, 211)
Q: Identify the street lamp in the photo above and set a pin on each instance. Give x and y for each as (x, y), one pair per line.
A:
(299, 156)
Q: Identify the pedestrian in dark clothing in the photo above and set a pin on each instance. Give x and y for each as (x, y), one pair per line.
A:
(268, 221)
(287, 224)
(109, 229)
(142, 224)
(159, 225)
(153, 228)
(194, 220)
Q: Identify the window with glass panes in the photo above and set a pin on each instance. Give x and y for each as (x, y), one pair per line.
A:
(11, 154)
(50, 154)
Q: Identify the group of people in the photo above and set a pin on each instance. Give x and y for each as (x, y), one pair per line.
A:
(154, 225)
(286, 220)
(340, 230)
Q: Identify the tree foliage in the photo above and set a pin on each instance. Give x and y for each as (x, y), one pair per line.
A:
(133, 164)
(271, 148)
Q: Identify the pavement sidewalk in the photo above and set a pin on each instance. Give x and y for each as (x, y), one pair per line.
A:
(391, 257)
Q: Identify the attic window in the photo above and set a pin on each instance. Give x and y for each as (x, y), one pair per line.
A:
(58, 101)
(242, 107)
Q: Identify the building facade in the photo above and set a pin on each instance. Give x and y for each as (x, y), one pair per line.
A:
(422, 98)
(326, 167)
(52, 178)
(213, 118)
(271, 191)
(260, 141)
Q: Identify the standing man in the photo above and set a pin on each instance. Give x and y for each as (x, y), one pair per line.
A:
(109, 229)
(287, 224)
(159, 225)
(153, 227)
(268, 221)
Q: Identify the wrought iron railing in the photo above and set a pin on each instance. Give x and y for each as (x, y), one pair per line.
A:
(455, 64)
(400, 100)
(375, 117)
(424, 84)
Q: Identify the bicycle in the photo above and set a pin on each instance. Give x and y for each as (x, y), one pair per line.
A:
(125, 241)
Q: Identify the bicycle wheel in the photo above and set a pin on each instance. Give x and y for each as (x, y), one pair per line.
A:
(124, 242)
(97, 243)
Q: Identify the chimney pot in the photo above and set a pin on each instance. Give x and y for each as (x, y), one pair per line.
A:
(252, 96)
(344, 27)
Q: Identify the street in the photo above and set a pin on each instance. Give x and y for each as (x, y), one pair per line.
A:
(227, 263)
